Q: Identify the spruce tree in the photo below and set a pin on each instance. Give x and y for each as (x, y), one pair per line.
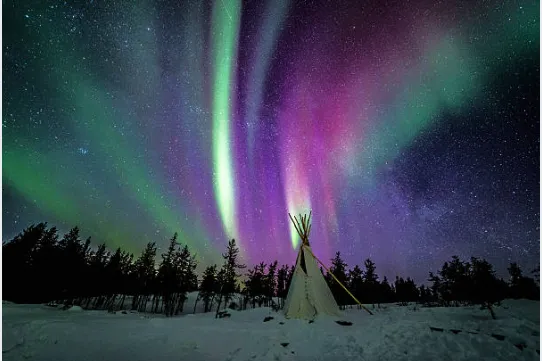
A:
(208, 286)
(338, 269)
(113, 277)
(145, 277)
(255, 284)
(521, 286)
(370, 275)
(97, 277)
(386, 292)
(167, 277)
(73, 255)
(46, 266)
(425, 296)
(289, 277)
(271, 282)
(370, 282)
(230, 268)
(355, 283)
(536, 274)
(282, 276)
(484, 285)
(185, 265)
(516, 275)
(436, 287)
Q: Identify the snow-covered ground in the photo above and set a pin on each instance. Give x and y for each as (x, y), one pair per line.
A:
(34, 332)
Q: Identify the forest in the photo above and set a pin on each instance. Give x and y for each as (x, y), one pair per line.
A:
(40, 266)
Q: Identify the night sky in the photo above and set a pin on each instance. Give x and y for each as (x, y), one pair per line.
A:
(410, 128)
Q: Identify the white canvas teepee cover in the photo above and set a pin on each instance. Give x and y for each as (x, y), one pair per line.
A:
(309, 294)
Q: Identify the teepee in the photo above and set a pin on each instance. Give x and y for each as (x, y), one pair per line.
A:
(308, 295)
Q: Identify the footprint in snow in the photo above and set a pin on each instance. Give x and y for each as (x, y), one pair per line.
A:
(232, 354)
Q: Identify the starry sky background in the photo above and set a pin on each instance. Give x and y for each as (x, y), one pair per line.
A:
(410, 128)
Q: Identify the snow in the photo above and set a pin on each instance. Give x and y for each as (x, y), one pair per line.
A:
(39, 332)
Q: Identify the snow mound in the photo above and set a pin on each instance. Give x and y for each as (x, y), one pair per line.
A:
(75, 309)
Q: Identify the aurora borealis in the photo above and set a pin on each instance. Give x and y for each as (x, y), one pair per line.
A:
(410, 129)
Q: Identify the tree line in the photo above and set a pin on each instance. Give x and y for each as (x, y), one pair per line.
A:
(40, 266)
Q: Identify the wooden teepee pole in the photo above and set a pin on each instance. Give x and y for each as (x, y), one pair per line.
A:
(295, 224)
(304, 227)
(339, 282)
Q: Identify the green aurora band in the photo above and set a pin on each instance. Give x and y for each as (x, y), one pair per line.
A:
(92, 110)
(447, 79)
(225, 32)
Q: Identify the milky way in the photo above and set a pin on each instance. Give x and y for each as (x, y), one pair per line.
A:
(410, 129)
